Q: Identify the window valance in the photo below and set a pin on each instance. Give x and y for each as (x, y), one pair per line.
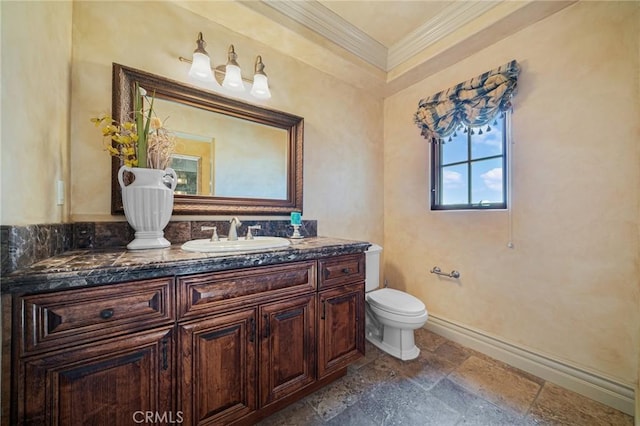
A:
(472, 103)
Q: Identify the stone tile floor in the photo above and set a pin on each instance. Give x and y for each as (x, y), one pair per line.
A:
(448, 384)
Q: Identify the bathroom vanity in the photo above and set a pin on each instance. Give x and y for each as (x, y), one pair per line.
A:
(108, 337)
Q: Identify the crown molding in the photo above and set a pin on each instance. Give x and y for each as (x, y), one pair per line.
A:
(313, 15)
(451, 18)
(333, 45)
(320, 19)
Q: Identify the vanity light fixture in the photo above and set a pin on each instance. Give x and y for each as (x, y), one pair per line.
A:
(233, 75)
(260, 88)
(201, 69)
(201, 64)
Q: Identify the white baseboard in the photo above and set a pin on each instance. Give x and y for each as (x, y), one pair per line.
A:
(595, 386)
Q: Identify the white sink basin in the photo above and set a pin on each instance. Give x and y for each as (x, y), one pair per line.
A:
(224, 245)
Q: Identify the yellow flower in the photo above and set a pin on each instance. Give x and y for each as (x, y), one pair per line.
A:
(109, 129)
(123, 139)
(97, 121)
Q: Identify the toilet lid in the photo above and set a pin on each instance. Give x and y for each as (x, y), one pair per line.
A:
(395, 301)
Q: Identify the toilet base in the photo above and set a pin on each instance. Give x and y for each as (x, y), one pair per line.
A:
(395, 342)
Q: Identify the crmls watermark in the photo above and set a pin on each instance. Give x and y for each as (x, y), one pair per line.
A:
(155, 417)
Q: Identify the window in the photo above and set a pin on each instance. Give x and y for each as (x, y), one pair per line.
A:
(469, 170)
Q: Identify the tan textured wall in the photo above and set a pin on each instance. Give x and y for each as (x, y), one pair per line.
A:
(569, 287)
(36, 56)
(343, 125)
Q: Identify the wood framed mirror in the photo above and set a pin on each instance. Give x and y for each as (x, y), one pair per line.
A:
(231, 157)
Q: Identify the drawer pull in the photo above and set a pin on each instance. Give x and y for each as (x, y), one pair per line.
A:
(165, 360)
(267, 329)
(346, 270)
(252, 329)
(106, 313)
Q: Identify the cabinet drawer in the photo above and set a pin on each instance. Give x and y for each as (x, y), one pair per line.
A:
(71, 316)
(225, 291)
(335, 271)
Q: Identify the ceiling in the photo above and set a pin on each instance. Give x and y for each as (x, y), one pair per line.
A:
(373, 18)
(379, 32)
(382, 46)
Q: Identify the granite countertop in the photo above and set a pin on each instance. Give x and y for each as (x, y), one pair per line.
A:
(80, 268)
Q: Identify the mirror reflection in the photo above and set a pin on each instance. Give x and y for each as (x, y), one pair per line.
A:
(218, 155)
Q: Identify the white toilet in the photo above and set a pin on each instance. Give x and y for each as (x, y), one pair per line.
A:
(391, 315)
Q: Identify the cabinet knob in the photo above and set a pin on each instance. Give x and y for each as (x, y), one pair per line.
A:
(346, 270)
(106, 313)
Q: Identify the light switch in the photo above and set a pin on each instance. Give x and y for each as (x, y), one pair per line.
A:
(60, 192)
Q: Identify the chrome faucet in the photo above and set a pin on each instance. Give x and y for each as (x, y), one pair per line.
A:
(214, 236)
(233, 229)
(251, 228)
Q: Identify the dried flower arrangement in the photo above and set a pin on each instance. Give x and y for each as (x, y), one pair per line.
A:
(143, 142)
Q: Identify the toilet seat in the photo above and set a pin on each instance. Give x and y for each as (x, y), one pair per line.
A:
(396, 302)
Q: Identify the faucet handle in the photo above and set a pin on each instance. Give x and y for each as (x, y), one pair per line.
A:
(249, 228)
(214, 236)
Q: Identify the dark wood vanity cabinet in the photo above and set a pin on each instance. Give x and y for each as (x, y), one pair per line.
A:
(93, 356)
(234, 362)
(341, 312)
(215, 348)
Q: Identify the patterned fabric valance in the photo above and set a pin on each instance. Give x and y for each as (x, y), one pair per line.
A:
(472, 103)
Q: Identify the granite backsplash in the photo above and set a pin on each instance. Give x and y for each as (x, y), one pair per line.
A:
(22, 246)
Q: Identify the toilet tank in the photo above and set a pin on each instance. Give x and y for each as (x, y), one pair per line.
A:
(372, 267)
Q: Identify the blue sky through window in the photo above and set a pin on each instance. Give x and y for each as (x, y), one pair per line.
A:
(486, 173)
(486, 181)
(455, 182)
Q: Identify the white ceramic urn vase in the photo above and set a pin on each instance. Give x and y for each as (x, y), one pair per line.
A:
(148, 204)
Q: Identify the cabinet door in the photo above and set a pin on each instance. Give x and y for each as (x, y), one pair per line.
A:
(287, 347)
(340, 327)
(106, 383)
(218, 365)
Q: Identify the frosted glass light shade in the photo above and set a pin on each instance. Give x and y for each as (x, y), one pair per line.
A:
(233, 78)
(201, 67)
(260, 88)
